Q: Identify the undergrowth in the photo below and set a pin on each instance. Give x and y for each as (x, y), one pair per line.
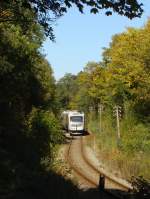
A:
(129, 156)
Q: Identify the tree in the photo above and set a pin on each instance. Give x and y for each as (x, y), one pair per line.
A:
(23, 82)
(89, 86)
(128, 65)
(28, 128)
(46, 12)
(123, 76)
(66, 89)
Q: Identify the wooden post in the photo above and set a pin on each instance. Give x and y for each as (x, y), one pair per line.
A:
(100, 118)
(118, 124)
(102, 182)
(117, 113)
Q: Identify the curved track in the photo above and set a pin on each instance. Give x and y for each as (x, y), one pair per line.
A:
(90, 175)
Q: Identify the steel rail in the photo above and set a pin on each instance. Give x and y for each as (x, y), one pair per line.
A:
(77, 171)
(90, 181)
(107, 177)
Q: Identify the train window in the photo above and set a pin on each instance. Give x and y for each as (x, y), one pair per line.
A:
(76, 119)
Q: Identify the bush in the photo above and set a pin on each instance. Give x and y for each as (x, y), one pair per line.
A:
(131, 156)
(141, 188)
(136, 139)
(45, 132)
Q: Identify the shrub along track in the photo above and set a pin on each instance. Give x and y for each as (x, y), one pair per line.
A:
(78, 159)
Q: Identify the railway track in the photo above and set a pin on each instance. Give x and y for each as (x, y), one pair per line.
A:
(92, 176)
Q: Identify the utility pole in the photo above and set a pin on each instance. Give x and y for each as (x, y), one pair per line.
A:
(100, 109)
(94, 143)
(118, 115)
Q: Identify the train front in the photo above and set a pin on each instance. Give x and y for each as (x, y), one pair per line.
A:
(76, 123)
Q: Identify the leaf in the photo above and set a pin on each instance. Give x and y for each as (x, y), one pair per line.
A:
(94, 10)
(63, 9)
(108, 13)
(68, 4)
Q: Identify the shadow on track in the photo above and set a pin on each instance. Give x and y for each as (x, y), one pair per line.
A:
(48, 185)
(51, 185)
(68, 137)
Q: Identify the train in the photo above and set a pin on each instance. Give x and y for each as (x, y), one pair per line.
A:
(73, 121)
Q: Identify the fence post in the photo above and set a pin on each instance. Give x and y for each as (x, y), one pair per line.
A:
(102, 182)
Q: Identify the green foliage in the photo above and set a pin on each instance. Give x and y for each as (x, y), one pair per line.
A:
(136, 139)
(131, 157)
(44, 131)
(66, 89)
(129, 67)
(29, 130)
(25, 77)
(91, 83)
(123, 76)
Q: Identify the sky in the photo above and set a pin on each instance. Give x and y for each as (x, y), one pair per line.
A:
(80, 38)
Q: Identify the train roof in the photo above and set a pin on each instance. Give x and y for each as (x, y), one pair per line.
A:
(73, 112)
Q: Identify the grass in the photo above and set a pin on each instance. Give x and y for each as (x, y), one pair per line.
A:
(131, 156)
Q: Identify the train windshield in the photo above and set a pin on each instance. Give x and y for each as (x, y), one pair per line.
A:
(76, 119)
